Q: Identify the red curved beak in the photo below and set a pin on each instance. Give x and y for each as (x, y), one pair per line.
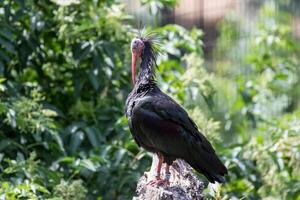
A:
(133, 66)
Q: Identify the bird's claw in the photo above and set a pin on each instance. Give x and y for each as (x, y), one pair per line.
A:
(159, 182)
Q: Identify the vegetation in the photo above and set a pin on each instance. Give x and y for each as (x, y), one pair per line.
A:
(65, 75)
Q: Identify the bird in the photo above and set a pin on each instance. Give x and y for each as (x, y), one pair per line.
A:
(160, 125)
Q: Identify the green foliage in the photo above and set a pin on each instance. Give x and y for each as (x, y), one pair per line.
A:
(263, 108)
(156, 5)
(62, 97)
(26, 178)
(70, 191)
(27, 115)
(65, 75)
(63, 89)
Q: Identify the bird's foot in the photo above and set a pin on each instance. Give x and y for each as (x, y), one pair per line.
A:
(159, 182)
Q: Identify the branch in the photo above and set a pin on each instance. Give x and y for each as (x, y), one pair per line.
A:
(184, 184)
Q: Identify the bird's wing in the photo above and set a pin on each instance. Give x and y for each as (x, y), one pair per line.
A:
(170, 130)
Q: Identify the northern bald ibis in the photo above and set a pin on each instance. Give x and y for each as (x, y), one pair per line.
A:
(162, 126)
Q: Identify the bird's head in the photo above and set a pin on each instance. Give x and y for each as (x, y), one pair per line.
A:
(137, 48)
(146, 48)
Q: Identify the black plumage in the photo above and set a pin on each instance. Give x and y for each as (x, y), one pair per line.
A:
(160, 125)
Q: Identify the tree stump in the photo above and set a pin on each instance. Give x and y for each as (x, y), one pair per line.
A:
(184, 184)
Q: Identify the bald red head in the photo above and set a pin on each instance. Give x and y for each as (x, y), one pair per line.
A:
(137, 47)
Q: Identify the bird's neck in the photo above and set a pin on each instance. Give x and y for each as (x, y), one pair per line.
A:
(147, 73)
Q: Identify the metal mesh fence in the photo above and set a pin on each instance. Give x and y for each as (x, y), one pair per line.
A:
(208, 15)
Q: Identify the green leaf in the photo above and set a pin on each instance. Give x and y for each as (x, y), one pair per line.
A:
(88, 165)
(76, 140)
(4, 143)
(49, 113)
(80, 51)
(94, 79)
(92, 135)
(7, 45)
(67, 159)
(6, 33)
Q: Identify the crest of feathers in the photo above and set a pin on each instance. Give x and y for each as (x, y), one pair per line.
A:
(151, 50)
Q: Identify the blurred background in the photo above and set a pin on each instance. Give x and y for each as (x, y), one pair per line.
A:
(65, 75)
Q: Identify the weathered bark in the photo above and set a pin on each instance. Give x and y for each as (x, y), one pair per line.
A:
(184, 184)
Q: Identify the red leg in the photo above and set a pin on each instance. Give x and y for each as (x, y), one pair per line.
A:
(159, 164)
(158, 170)
(158, 180)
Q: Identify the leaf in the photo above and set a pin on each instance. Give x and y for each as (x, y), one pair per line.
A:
(3, 108)
(119, 156)
(74, 127)
(1, 67)
(59, 140)
(4, 56)
(76, 140)
(132, 147)
(67, 159)
(4, 143)
(49, 113)
(80, 51)
(7, 45)
(7, 34)
(109, 61)
(2, 80)
(93, 77)
(88, 164)
(40, 188)
(92, 135)
(66, 3)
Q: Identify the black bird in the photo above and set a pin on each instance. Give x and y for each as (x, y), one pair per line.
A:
(161, 126)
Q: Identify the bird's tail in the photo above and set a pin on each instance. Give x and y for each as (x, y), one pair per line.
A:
(209, 165)
(214, 172)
